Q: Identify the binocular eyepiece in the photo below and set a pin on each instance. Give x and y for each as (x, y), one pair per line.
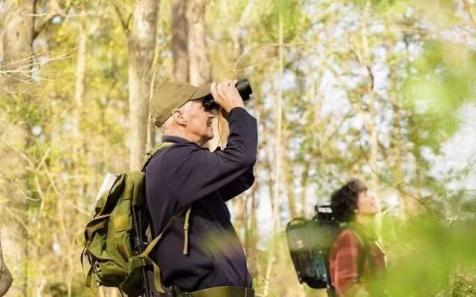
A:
(244, 88)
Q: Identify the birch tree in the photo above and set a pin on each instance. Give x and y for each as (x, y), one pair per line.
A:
(141, 43)
(180, 40)
(18, 62)
(200, 67)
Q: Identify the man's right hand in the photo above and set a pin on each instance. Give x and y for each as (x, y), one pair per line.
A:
(226, 95)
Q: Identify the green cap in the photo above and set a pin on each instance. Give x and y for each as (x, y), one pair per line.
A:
(172, 95)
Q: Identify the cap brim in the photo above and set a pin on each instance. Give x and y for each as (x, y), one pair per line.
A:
(201, 92)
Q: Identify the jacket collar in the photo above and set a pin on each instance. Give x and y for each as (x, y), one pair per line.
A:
(174, 139)
(180, 140)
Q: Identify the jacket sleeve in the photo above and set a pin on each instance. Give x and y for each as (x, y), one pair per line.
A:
(199, 172)
(237, 186)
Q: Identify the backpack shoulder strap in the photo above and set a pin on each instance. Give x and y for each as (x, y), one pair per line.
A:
(145, 254)
(171, 222)
(153, 151)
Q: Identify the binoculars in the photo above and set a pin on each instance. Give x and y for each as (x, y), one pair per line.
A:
(244, 88)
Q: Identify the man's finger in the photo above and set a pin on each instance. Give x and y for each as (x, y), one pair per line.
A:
(213, 89)
(221, 89)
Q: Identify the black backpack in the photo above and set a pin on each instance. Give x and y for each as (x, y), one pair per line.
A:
(310, 242)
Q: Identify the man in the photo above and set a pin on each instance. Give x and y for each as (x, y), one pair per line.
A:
(356, 258)
(200, 255)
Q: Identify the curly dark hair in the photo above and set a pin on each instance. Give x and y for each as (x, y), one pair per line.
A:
(344, 200)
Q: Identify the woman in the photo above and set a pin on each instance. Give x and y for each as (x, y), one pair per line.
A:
(356, 256)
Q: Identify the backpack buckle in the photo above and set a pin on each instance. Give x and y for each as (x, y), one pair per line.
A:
(97, 268)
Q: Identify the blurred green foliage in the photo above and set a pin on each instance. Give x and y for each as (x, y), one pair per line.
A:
(444, 79)
(429, 256)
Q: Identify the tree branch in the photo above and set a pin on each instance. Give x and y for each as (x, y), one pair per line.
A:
(124, 22)
(467, 7)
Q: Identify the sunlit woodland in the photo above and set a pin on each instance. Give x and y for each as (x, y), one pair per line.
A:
(382, 90)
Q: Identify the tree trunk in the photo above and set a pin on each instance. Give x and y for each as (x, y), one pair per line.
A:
(79, 91)
(180, 40)
(78, 148)
(397, 144)
(289, 182)
(240, 216)
(304, 184)
(17, 58)
(200, 68)
(372, 125)
(251, 239)
(273, 250)
(142, 40)
(199, 65)
(279, 127)
(17, 42)
(373, 140)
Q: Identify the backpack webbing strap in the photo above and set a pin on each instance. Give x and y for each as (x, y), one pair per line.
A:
(89, 279)
(151, 153)
(158, 286)
(186, 226)
(171, 222)
(156, 269)
(90, 271)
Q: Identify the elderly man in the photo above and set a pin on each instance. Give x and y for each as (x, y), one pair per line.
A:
(200, 254)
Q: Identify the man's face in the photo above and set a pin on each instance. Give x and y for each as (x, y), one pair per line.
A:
(367, 204)
(199, 122)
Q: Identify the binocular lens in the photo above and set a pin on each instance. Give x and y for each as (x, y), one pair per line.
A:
(208, 104)
(244, 88)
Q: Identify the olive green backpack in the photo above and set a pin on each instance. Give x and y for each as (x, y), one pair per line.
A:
(114, 242)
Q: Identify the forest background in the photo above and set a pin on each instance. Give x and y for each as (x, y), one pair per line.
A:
(380, 90)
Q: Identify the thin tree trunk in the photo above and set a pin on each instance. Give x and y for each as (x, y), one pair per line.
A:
(398, 144)
(279, 142)
(79, 91)
(251, 239)
(289, 184)
(316, 133)
(151, 131)
(373, 140)
(180, 40)
(278, 162)
(304, 184)
(467, 7)
(77, 141)
(239, 212)
(142, 40)
(200, 68)
(17, 56)
(372, 125)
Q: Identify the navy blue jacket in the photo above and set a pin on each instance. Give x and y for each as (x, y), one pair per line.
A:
(188, 174)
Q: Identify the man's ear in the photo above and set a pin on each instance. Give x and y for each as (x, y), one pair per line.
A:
(179, 118)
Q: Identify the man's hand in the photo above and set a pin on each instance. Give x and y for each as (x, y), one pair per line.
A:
(226, 95)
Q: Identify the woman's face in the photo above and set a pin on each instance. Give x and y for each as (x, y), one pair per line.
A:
(366, 204)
